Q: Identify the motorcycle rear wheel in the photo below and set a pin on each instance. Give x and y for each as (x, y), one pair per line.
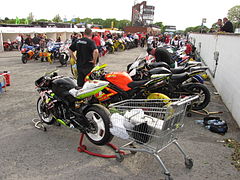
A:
(63, 58)
(45, 115)
(99, 118)
(203, 93)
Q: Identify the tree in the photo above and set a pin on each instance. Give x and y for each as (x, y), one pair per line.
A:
(204, 29)
(57, 18)
(30, 17)
(109, 22)
(122, 23)
(160, 25)
(234, 15)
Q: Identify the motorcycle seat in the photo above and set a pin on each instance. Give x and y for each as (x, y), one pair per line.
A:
(159, 70)
(178, 70)
(159, 64)
(135, 84)
(178, 77)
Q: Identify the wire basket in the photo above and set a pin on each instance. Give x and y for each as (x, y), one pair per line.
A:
(149, 122)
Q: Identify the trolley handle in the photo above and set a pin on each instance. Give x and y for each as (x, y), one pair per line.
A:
(185, 100)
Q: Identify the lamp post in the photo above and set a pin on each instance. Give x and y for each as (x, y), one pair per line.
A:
(204, 20)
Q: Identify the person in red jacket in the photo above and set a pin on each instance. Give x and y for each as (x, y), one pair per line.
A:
(188, 48)
(97, 39)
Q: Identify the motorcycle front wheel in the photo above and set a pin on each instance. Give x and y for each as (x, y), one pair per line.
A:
(24, 58)
(43, 112)
(99, 118)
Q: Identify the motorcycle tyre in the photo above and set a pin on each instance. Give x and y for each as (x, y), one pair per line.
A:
(24, 58)
(49, 122)
(206, 93)
(104, 116)
(121, 47)
(62, 60)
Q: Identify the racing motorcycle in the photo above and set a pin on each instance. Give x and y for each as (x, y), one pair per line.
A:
(178, 85)
(121, 86)
(29, 53)
(63, 102)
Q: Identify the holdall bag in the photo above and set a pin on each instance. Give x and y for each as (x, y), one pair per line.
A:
(215, 124)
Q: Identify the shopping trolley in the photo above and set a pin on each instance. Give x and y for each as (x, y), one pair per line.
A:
(150, 124)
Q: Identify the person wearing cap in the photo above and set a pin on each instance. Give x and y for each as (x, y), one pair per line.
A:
(86, 57)
(161, 55)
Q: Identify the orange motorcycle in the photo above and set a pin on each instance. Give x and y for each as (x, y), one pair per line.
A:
(121, 86)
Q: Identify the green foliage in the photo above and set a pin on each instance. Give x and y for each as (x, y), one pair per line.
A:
(57, 18)
(160, 24)
(120, 24)
(204, 29)
(234, 14)
(108, 23)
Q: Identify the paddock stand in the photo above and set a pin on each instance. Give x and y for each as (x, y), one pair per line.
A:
(83, 148)
(205, 112)
(39, 124)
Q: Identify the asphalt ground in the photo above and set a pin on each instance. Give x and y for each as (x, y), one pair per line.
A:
(27, 153)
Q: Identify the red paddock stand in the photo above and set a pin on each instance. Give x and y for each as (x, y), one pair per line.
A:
(83, 148)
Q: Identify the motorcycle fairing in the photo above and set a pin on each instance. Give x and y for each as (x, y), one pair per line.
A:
(120, 79)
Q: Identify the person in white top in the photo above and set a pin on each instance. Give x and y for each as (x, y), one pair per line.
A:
(19, 41)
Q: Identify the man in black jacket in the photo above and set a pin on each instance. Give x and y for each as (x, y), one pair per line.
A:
(86, 57)
(228, 26)
(161, 55)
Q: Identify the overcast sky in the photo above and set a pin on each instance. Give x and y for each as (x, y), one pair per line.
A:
(182, 13)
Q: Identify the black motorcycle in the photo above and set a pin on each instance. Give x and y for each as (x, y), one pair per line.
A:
(63, 102)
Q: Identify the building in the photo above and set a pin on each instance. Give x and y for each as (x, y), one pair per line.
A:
(142, 14)
(170, 29)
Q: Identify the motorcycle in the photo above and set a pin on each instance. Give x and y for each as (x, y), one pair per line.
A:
(121, 86)
(141, 66)
(63, 102)
(118, 45)
(7, 45)
(54, 49)
(29, 53)
(109, 45)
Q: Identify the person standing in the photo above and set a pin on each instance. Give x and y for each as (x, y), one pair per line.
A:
(219, 24)
(228, 26)
(19, 40)
(86, 57)
(28, 40)
(96, 38)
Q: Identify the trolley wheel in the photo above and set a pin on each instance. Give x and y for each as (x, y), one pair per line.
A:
(189, 163)
(133, 152)
(189, 114)
(132, 146)
(119, 157)
(168, 178)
